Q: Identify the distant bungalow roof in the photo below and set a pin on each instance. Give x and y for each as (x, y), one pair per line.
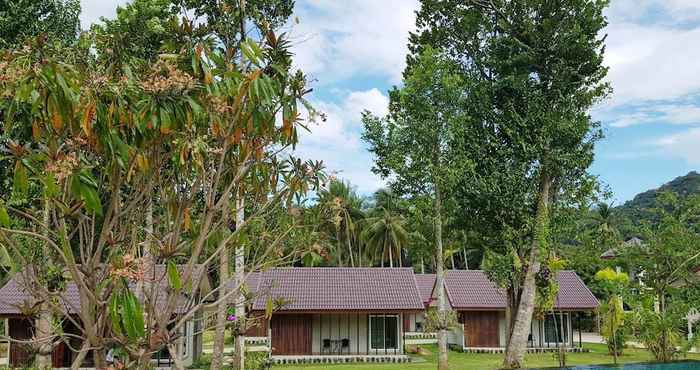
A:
(613, 252)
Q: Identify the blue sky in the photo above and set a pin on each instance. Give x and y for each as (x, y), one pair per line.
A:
(355, 51)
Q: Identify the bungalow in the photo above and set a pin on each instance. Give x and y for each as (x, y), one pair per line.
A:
(19, 322)
(338, 314)
(481, 312)
(351, 314)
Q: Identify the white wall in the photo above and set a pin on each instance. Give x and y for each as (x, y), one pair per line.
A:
(538, 335)
(415, 319)
(351, 326)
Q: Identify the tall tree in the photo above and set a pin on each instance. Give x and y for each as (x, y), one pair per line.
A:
(182, 136)
(418, 147)
(342, 210)
(57, 20)
(385, 235)
(538, 65)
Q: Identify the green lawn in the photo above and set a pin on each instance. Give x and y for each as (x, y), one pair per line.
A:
(472, 361)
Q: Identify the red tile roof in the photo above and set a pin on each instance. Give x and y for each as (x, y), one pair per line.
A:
(471, 289)
(14, 295)
(340, 289)
(573, 293)
(426, 283)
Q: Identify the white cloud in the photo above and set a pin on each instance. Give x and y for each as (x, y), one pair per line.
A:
(682, 145)
(668, 113)
(337, 140)
(92, 10)
(336, 40)
(652, 63)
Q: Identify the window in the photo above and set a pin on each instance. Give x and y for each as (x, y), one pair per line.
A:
(553, 328)
(384, 331)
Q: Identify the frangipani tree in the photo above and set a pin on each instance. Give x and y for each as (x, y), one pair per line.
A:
(186, 136)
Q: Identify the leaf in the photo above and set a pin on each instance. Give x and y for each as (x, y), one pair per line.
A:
(114, 314)
(50, 186)
(21, 179)
(196, 108)
(133, 316)
(91, 198)
(174, 276)
(4, 216)
(36, 131)
(86, 122)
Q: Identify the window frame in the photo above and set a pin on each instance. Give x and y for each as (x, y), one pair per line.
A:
(384, 332)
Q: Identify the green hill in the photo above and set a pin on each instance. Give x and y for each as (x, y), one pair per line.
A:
(637, 209)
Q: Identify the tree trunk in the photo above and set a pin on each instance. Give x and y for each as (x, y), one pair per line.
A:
(517, 346)
(466, 260)
(44, 337)
(44, 330)
(175, 351)
(99, 357)
(391, 258)
(80, 356)
(239, 340)
(440, 272)
(349, 246)
(422, 266)
(217, 358)
(509, 315)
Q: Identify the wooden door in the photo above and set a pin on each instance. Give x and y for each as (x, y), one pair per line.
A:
(19, 352)
(60, 355)
(291, 334)
(480, 328)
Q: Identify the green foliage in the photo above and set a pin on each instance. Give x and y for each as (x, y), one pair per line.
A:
(612, 316)
(661, 333)
(612, 312)
(341, 212)
(385, 234)
(257, 361)
(141, 30)
(436, 320)
(126, 314)
(670, 252)
(58, 20)
(613, 281)
(178, 128)
(419, 144)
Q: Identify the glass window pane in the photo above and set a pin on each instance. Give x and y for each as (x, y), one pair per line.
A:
(553, 328)
(391, 332)
(377, 332)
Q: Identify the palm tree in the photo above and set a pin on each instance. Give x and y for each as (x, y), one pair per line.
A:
(604, 224)
(385, 234)
(343, 208)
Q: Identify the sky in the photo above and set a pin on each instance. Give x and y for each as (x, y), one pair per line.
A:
(354, 52)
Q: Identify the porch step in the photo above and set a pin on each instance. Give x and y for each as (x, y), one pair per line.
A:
(281, 360)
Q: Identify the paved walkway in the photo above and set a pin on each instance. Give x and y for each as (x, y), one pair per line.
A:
(597, 338)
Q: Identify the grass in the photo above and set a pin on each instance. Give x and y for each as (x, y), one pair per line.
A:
(598, 355)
